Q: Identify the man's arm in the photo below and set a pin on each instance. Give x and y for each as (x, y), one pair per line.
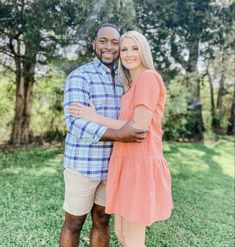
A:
(117, 130)
(125, 134)
(76, 90)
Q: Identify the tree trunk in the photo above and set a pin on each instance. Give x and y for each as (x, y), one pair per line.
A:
(193, 56)
(214, 119)
(195, 126)
(221, 84)
(220, 93)
(20, 129)
(231, 124)
(24, 89)
(199, 119)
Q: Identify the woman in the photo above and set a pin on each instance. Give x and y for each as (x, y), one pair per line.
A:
(138, 184)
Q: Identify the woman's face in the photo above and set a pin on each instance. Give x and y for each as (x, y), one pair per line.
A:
(129, 54)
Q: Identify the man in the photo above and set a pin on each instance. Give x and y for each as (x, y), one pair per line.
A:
(88, 146)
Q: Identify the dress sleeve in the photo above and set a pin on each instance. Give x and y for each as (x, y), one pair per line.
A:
(147, 90)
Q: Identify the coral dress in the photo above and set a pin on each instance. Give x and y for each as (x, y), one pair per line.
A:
(139, 183)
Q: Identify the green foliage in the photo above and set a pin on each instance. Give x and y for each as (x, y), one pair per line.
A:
(41, 24)
(47, 119)
(176, 28)
(118, 12)
(121, 13)
(7, 100)
(47, 109)
(203, 193)
(222, 117)
(206, 105)
(175, 118)
(35, 29)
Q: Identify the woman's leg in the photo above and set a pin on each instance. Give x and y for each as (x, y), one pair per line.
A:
(118, 228)
(133, 233)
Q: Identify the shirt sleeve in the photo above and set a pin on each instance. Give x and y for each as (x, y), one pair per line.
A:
(147, 90)
(77, 91)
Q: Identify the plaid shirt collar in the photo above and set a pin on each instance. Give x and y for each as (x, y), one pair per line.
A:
(103, 68)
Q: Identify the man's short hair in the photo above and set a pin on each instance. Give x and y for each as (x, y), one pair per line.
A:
(105, 25)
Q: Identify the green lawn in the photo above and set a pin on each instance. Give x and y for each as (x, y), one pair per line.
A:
(31, 198)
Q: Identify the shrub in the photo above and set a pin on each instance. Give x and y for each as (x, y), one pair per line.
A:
(175, 118)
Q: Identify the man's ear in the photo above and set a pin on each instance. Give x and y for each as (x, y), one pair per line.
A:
(93, 45)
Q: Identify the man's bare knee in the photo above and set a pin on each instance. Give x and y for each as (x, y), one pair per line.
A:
(74, 223)
(99, 217)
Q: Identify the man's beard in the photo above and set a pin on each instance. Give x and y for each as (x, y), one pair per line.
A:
(99, 56)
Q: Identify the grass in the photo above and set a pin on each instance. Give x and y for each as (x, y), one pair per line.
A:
(31, 198)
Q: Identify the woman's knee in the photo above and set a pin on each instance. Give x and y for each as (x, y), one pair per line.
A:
(133, 234)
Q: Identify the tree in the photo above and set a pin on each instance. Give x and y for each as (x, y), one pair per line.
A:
(118, 12)
(30, 33)
(178, 31)
(219, 72)
(220, 65)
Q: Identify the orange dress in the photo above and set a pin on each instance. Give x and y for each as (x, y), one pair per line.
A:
(139, 183)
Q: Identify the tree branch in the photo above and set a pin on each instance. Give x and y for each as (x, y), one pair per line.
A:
(8, 68)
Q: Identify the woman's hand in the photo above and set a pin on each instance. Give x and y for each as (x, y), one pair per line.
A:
(84, 112)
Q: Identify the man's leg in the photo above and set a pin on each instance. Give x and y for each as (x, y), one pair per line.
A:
(100, 227)
(71, 230)
(78, 202)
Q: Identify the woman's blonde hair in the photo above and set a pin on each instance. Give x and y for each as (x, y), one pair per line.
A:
(145, 56)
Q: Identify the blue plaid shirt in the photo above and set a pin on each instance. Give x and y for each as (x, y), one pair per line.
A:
(83, 150)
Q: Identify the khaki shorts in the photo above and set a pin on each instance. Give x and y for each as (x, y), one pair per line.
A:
(81, 192)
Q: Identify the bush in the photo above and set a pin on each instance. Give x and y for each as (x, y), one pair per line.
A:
(7, 105)
(47, 109)
(175, 118)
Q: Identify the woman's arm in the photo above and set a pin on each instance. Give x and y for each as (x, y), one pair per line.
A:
(110, 123)
(90, 114)
(142, 117)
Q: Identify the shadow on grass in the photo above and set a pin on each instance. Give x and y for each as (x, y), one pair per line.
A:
(31, 202)
(190, 159)
(33, 158)
(203, 197)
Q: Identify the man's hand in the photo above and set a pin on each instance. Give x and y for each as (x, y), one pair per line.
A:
(125, 134)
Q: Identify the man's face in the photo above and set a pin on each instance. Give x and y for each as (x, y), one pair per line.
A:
(106, 45)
